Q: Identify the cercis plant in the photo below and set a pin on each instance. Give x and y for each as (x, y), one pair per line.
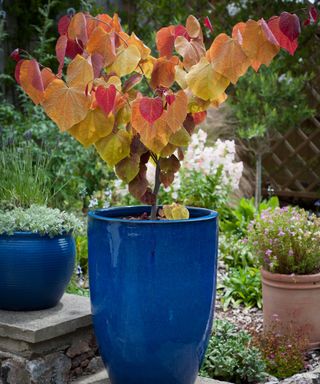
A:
(98, 103)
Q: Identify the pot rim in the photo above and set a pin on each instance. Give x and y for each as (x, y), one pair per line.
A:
(204, 215)
(293, 278)
(34, 234)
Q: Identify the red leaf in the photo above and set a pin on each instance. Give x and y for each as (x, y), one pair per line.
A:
(73, 48)
(207, 24)
(151, 109)
(170, 99)
(61, 48)
(15, 55)
(180, 30)
(199, 117)
(307, 21)
(106, 98)
(282, 39)
(313, 14)
(63, 25)
(290, 25)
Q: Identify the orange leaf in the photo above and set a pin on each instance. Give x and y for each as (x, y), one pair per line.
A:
(258, 44)
(191, 51)
(95, 126)
(165, 41)
(228, 58)
(67, 104)
(103, 43)
(193, 27)
(155, 136)
(31, 80)
(77, 29)
(163, 73)
(47, 76)
(177, 111)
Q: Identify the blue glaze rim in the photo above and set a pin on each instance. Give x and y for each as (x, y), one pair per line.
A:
(35, 234)
(201, 214)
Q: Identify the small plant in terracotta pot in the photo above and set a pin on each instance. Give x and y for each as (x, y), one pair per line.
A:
(286, 241)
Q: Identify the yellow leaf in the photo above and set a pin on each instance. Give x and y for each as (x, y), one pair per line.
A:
(134, 40)
(228, 58)
(168, 150)
(175, 212)
(181, 77)
(205, 82)
(127, 61)
(114, 147)
(95, 126)
(221, 99)
(181, 138)
(128, 168)
(146, 66)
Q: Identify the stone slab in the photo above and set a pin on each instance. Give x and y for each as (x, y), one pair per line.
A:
(72, 313)
(102, 378)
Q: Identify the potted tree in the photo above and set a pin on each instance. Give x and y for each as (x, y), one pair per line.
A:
(287, 243)
(152, 271)
(37, 250)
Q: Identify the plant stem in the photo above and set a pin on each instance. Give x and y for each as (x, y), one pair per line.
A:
(154, 207)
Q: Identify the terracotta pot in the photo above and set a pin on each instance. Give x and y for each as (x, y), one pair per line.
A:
(295, 299)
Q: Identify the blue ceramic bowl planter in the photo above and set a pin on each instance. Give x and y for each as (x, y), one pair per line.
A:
(34, 270)
(152, 289)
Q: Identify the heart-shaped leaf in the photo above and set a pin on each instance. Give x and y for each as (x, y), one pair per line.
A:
(151, 108)
(290, 25)
(106, 98)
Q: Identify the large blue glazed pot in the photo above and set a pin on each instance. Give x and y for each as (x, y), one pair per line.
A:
(34, 270)
(152, 287)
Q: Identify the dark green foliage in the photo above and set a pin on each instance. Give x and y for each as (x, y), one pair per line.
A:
(269, 101)
(235, 252)
(242, 286)
(231, 357)
(240, 216)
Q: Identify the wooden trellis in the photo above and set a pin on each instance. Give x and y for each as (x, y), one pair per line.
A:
(292, 168)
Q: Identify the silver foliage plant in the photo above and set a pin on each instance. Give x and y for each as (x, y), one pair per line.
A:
(39, 219)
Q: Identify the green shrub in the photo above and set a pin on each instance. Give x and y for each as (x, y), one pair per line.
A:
(38, 219)
(242, 286)
(243, 214)
(235, 252)
(287, 241)
(231, 357)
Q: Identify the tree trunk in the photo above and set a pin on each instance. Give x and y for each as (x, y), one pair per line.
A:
(258, 180)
